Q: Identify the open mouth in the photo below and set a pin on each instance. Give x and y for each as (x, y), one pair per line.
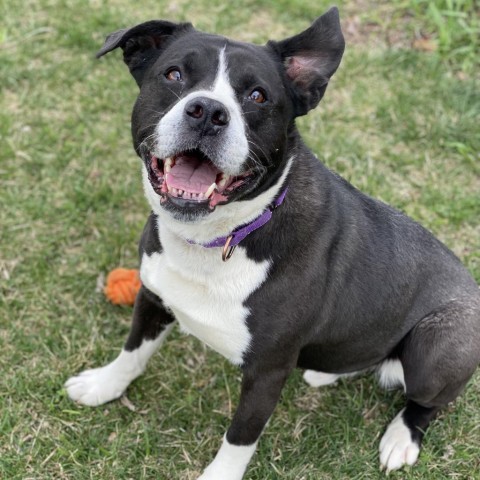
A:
(190, 179)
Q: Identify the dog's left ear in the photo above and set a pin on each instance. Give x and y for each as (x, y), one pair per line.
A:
(143, 43)
(311, 58)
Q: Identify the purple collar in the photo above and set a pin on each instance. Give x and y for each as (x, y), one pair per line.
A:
(238, 234)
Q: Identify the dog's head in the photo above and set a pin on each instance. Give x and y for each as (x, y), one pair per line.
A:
(213, 116)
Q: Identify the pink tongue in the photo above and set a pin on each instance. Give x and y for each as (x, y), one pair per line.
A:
(192, 174)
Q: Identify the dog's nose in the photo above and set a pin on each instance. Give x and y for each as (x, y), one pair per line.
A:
(207, 115)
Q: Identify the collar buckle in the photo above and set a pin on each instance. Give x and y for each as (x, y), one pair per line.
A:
(227, 249)
(242, 231)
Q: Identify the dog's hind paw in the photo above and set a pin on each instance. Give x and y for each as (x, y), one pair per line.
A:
(397, 448)
(319, 379)
(97, 386)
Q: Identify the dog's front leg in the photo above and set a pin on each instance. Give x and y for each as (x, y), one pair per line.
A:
(261, 389)
(151, 324)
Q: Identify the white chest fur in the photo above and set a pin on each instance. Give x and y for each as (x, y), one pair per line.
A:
(205, 294)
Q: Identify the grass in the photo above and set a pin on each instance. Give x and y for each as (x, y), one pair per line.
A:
(456, 24)
(399, 122)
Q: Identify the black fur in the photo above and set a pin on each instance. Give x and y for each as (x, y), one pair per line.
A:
(149, 319)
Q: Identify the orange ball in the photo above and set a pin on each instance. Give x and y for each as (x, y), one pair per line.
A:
(122, 286)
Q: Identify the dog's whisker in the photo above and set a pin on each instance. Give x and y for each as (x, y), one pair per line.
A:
(174, 93)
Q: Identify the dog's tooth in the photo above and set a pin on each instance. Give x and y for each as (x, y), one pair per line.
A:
(201, 196)
(168, 164)
(210, 190)
(223, 180)
(180, 192)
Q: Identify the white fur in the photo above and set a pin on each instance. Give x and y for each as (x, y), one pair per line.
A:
(320, 379)
(234, 151)
(230, 462)
(205, 294)
(100, 385)
(390, 374)
(397, 447)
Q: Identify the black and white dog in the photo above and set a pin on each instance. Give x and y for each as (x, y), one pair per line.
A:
(324, 278)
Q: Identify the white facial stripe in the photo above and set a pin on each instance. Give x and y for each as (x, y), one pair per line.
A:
(231, 149)
(223, 89)
(230, 462)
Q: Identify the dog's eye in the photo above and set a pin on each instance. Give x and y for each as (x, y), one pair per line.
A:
(174, 75)
(258, 96)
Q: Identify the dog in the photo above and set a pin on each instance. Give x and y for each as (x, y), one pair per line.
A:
(272, 260)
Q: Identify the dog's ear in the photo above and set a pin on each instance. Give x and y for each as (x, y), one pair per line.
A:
(143, 43)
(311, 58)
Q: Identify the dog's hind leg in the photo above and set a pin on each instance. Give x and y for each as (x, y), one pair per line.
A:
(151, 324)
(438, 356)
(400, 445)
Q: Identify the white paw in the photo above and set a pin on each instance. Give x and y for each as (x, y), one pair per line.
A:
(97, 386)
(230, 462)
(319, 379)
(220, 474)
(397, 447)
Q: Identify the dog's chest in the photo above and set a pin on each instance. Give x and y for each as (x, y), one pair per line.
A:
(205, 294)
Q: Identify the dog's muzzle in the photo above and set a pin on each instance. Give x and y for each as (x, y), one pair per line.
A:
(190, 179)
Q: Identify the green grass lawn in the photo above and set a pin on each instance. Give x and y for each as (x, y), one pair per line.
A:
(400, 120)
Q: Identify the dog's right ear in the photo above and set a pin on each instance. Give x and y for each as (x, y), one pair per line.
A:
(143, 43)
